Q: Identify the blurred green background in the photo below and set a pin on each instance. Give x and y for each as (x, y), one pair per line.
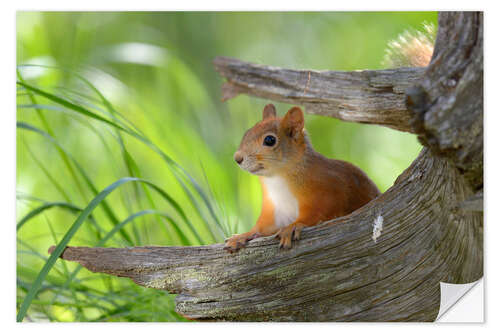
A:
(166, 124)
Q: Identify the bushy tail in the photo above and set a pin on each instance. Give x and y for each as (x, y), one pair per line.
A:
(412, 48)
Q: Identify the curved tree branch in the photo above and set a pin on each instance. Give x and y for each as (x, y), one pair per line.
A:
(346, 269)
(375, 97)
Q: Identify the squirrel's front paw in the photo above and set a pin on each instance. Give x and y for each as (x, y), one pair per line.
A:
(237, 242)
(285, 235)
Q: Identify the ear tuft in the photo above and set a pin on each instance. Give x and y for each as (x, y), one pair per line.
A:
(293, 122)
(269, 111)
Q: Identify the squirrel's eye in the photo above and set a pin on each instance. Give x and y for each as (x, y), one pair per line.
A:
(269, 140)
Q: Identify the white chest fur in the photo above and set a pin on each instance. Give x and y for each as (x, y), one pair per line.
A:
(286, 208)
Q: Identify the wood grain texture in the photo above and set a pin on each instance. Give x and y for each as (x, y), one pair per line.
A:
(368, 96)
(447, 105)
(432, 216)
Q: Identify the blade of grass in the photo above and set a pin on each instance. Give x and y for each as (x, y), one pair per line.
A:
(62, 244)
(125, 154)
(167, 197)
(129, 161)
(65, 205)
(225, 231)
(70, 105)
(132, 217)
(133, 171)
(106, 103)
(177, 170)
(36, 254)
(51, 133)
(122, 224)
(47, 173)
(48, 205)
(29, 273)
(56, 253)
(79, 309)
(91, 185)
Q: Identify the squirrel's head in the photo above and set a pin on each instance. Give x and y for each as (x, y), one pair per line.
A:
(273, 144)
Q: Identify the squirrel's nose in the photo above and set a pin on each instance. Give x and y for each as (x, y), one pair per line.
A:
(238, 157)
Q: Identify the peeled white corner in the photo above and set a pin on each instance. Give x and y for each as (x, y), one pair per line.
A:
(461, 303)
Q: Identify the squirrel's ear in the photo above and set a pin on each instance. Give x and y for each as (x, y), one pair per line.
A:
(293, 122)
(269, 111)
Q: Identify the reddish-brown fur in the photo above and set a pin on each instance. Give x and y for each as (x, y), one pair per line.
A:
(324, 188)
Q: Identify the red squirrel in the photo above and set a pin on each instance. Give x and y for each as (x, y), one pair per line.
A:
(300, 187)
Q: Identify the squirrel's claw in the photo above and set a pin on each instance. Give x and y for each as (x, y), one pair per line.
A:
(297, 231)
(232, 249)
(285, 236)
(288, 233)
(236, 242)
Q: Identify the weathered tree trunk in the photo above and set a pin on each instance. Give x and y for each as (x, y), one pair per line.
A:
(340, 270)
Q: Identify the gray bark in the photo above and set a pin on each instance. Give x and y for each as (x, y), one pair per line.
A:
(432, 216)
(447, 104)
(375, 97)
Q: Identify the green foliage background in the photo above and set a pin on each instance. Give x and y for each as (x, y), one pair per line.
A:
(150, 77)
